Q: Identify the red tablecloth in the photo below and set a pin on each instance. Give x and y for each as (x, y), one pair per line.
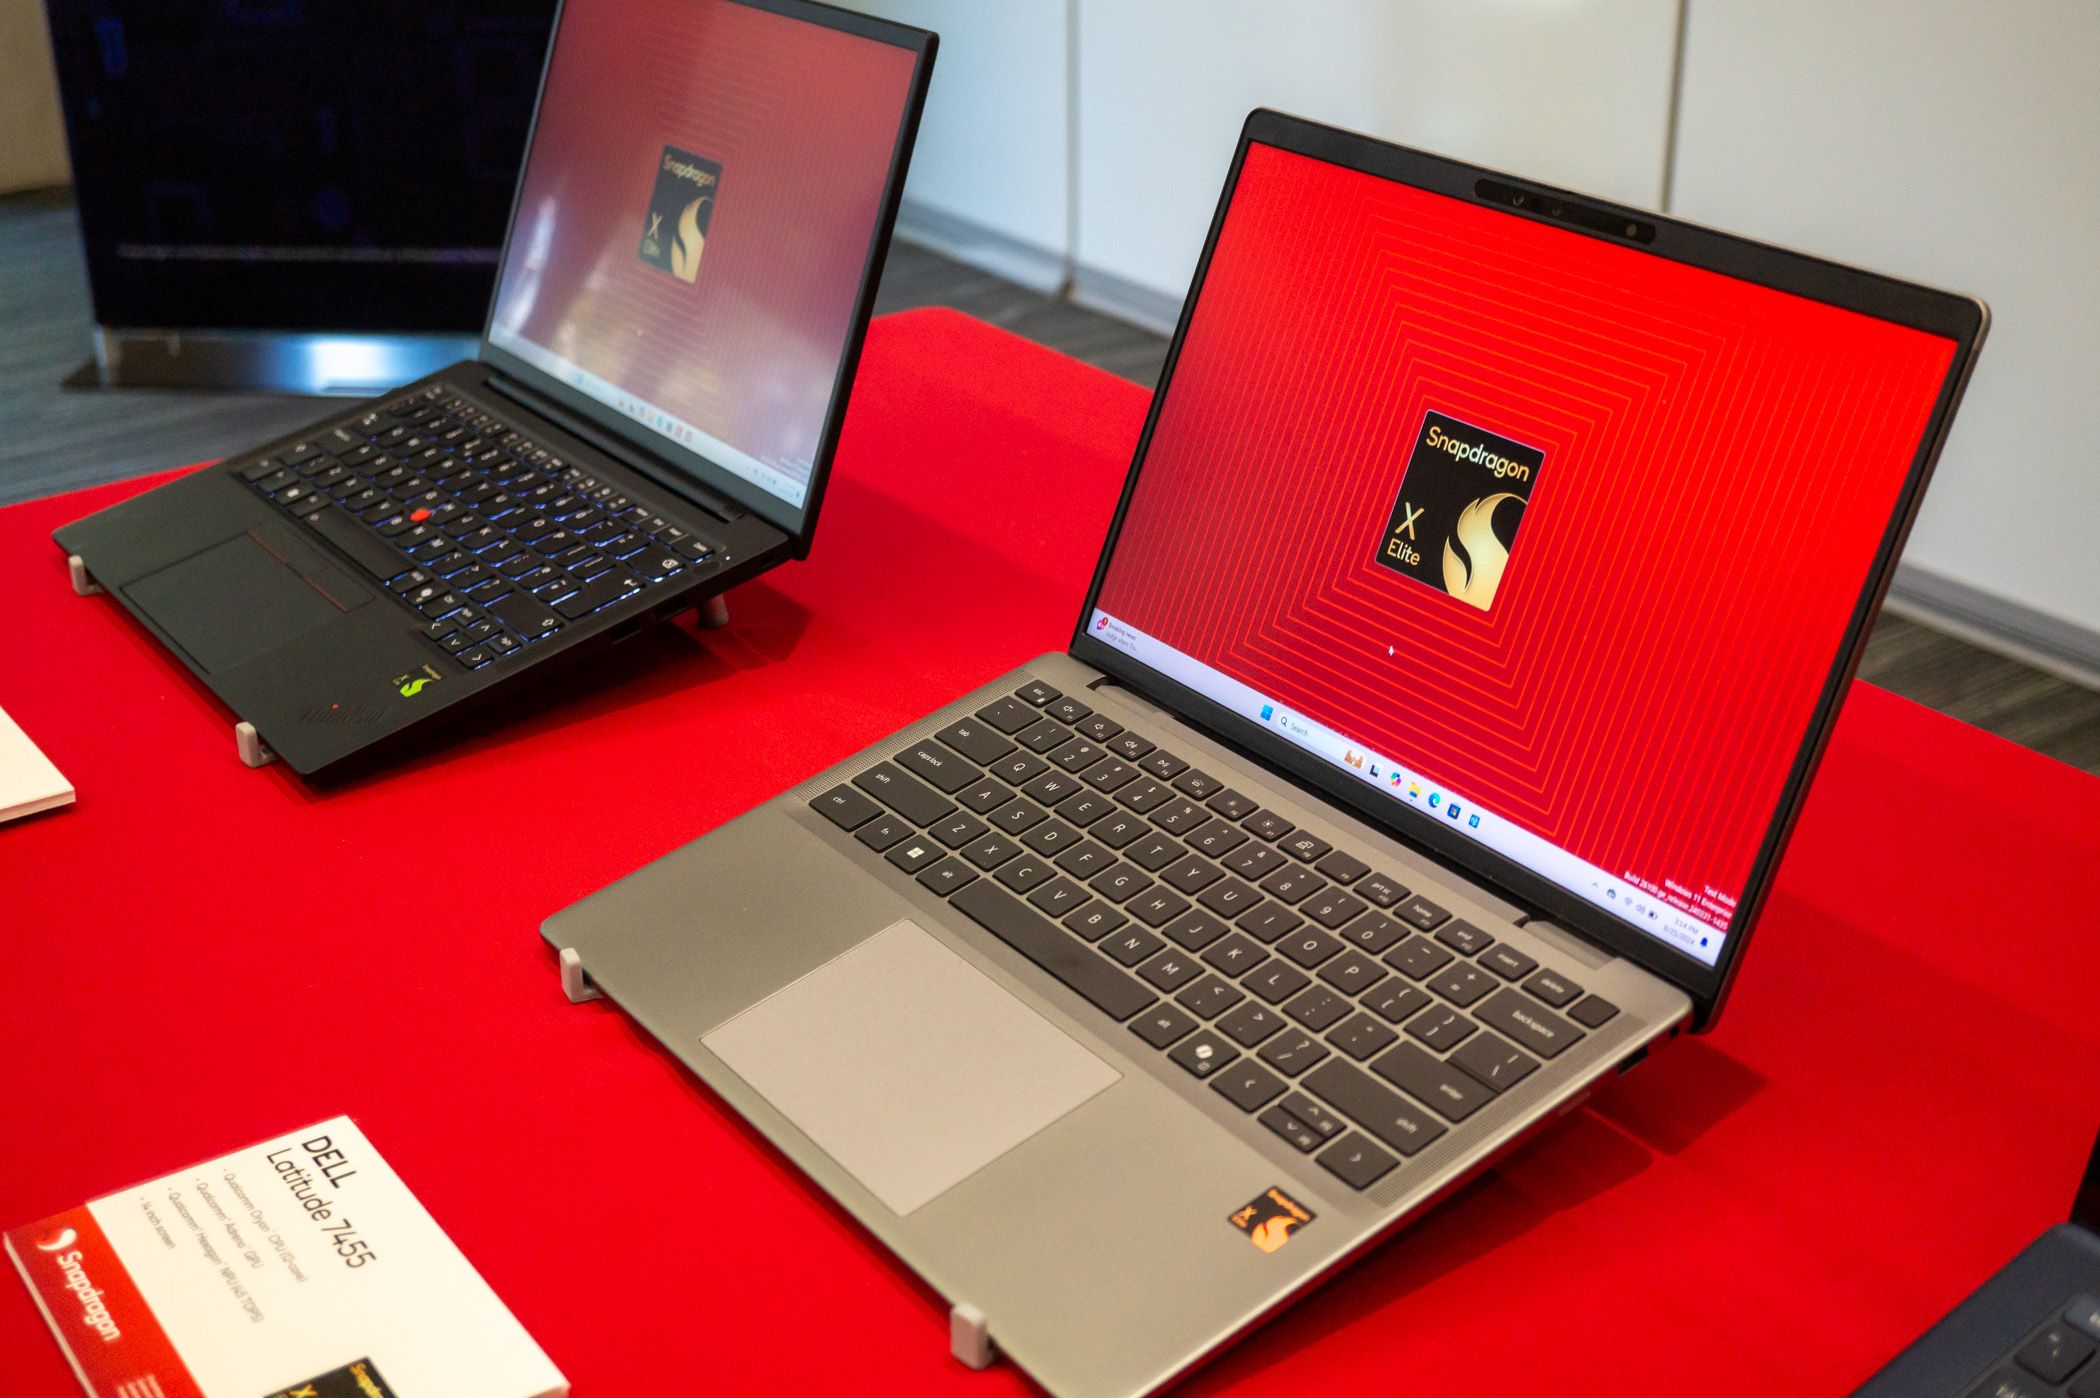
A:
(199, 955)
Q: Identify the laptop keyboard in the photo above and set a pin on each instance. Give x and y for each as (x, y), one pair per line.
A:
(2058, 1358)
(492, 540)
(1342, 1010)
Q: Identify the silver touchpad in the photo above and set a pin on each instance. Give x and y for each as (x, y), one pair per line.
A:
(907, 1065)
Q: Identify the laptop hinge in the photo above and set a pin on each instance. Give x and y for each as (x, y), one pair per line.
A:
(678, 482)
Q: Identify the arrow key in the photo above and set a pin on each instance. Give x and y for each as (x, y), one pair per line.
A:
(1356, 1162)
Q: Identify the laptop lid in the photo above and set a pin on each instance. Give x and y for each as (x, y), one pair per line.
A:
(707, 194)
(1543, 532)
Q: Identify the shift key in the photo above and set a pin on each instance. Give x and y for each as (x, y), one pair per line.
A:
(526, 614)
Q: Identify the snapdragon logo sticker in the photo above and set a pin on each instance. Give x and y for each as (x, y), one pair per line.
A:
(59, 1241)
(1460, 505)
(1270, 1219)
(674, 230)
(357, 1379)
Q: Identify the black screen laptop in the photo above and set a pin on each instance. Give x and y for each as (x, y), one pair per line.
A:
(707, 195)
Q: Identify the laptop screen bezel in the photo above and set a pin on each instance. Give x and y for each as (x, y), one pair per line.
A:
(679, 467)
(1960, 319)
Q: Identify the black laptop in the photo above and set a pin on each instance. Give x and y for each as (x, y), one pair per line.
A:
(2031, 1331)
(692, 256)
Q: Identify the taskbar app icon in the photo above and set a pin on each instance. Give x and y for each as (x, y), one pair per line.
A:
(674, 230)
(1460, 504)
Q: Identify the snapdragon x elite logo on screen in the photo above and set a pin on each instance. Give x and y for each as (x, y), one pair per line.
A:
(674, 231)
(1460, 505)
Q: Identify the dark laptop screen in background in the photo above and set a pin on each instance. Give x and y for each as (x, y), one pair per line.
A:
(1550, 538)
(694, 222)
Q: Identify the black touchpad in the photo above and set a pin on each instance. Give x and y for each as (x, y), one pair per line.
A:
(238, 599)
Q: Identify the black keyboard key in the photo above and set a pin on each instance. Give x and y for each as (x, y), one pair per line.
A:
(1025, 873)
(1170, 970)
(1199, 784)
(1180, 817)
(1461, 936)
(1290, 1128)
(1068, 710)
(977, 741)
(1161, 1025)
(1008, 715)
(1253, 862)
(1217, 838)
(657, 564)
(1373, 933)
(1120, 882)
(1051, 837)
(1160, 763)
(1507, 962)
(1037, 693)
(1293, 885)
(1417, 958)
(1144, 795)
(1421, 912)
(1528, 1024)
(1462, 984)
(846, 808)
(914, 854)
(1356, 1162)
(1118, 830)
(1268, 825)
(1194, 930)
(1553, 988)
(1593, 1012)
(1493, 1062)
(2052, 1355)
(1318, 1008)
(1131, 945)
(937, 766)
(1110, 774)
(364, 548)
(1051, 787)
(1247, 1085)
(1250, 1024)
(1293, 1051)
(1086, 808)
(529, 617)
(1076, 756)
(1381, 891)
(1203, 1053)
(1235, 955)
(1441, 1027)
(1084, 860)
(1209, 997)
(1342, 868)
(1094, 920)
(985, 797)
(1229, 898)
(902, 794)
(1373, 1106)
(1442, 1088)
(1100, 727)
(1324, 1124)
(1267, 921)
(880, 833)
(1233, 805)
(1130, 745)
(1045, 735)
(1155, 907)
(1276, 981)
(1016, 816)
(1360, 1036)
(1154, 852)
(947, 876)
(990, 851)
(1395, 1001)
(1018, 767)
(958, 830)
(1308, 947)
(1332, 907)
(1352, 973)
(1304, 846)
(1053, 949)
(1058, 897)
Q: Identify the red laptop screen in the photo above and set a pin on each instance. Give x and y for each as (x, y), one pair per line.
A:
(695, 219)
(1549, 537)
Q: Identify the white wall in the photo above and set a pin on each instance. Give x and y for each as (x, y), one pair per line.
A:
(1959, 144)
(989, 176)
(1574, 92)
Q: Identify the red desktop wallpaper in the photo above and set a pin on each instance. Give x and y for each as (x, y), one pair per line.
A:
(1716, 464)
(795, 124)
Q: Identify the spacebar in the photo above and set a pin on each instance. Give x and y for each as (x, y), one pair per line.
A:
(1054, 949)
(374, 556)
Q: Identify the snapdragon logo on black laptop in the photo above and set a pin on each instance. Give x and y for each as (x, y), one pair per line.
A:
(674, 231)
(1460, 505)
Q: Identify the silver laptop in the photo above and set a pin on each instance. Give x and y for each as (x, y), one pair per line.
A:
(1485, 585)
